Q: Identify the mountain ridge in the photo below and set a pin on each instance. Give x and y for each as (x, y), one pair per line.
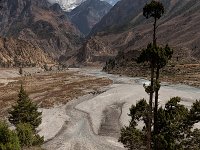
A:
(87, 14)
(40, 24)
(178, 27)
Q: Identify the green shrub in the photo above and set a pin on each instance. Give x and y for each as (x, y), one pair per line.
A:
(25, 134)
(38, 140)
(8, 138)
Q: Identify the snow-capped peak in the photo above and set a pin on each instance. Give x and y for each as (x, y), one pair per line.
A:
(68, 5)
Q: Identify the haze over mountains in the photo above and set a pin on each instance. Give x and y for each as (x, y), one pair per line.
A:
(58, 35)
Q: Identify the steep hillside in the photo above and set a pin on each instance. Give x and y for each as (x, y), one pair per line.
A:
(15, 53)
(90, 12)
(124, 27)
(119, 15)
(41, 25)
(94, 52)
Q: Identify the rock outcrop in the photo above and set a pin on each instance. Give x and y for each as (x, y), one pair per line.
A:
(40, 24)
(18, 53)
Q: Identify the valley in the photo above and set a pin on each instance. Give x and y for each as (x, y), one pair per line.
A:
(96, 83)
(90, 115)
(46, 88)
(78, 104)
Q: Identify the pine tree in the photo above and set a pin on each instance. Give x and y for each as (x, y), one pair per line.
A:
(155, 10)
(25, 111)
(157, 58)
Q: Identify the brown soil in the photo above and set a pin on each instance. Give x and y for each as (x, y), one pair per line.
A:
(188, 74)
(49, 89)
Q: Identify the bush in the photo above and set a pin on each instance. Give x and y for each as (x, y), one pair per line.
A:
(25, 134)
(27, 137)
(38, 140)
(8, 138)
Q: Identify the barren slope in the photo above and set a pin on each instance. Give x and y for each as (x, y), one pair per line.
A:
(42, 25)
(124, 28)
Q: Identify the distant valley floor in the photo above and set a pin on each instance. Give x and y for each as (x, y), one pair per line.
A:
(47, 89)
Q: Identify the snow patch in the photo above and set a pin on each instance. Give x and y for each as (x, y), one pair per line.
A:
(68, 5)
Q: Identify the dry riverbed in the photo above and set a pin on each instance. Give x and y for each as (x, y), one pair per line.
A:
(47, 89)
(101, 102)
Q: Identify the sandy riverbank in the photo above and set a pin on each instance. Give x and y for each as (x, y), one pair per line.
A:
(89, 128)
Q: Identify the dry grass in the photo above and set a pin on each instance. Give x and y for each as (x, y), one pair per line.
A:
(188, 74)
(50, 89)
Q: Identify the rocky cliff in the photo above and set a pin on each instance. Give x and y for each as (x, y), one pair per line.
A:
(40, 24)
(17, 53)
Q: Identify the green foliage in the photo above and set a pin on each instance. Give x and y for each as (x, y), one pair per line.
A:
(25, 111)
(8, 138)
(175, 127)
(25, 116)
(110, 64)
(192, 142)
(154, 9)
(194, 115)
(172, 124)
(139, 112)
(157, 56)
(131, 137)
(27, 136)
(38, 140)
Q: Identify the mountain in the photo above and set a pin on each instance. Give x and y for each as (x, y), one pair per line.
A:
(124, 29)
(122, 13)
(40, 24)
(87, 14)
(112, 2)
(69, 5)
(15, 52)
(94, 52)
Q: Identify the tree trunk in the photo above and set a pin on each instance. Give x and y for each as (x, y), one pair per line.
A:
(156, 109)
(150, 117)
(149, 138)
(154, 32)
